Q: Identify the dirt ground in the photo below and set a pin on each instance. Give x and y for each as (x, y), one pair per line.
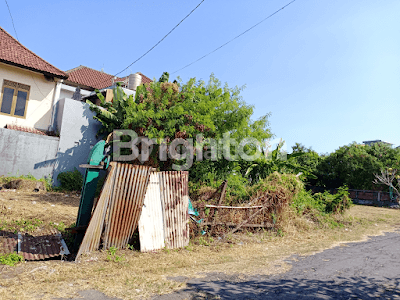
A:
(133, 275)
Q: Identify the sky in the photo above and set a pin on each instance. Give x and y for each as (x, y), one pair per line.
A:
(328, 71)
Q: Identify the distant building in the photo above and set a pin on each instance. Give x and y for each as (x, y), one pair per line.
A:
(369, 143)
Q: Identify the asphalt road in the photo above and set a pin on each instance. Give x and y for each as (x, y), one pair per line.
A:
(364, 270)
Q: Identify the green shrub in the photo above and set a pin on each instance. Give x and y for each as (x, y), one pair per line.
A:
(71, 180)
(237, 190)
(323, 202)
(338, 202)
(304, 202)
(276, 181)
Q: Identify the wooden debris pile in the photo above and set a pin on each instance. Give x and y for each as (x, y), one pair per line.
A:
(262, 211)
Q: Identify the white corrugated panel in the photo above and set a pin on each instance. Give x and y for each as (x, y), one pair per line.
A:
(151, 231)
(175, 201)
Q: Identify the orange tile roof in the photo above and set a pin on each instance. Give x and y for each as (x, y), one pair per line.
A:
(88, 77)
(25, 129)
(14, 53)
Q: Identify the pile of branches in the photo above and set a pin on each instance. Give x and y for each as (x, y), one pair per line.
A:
(265, 209)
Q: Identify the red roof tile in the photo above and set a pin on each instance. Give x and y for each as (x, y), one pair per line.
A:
(89, 77)
(14, 53)
(25, 129)
(85, 76)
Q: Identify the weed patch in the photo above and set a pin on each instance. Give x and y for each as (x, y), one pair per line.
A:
(70, 180)
(21, 225)
(10, 259)
(112, 255)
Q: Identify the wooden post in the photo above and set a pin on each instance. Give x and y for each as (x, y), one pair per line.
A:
(221, 198)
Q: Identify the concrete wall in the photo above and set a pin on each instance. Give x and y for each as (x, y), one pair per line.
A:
(38, 113)
(78, 129)
(23, 153)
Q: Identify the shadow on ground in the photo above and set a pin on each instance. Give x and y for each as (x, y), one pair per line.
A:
(365, 270)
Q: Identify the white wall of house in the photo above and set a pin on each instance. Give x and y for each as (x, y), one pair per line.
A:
(39, 105)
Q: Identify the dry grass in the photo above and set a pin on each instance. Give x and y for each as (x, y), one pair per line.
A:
(47, 207)
(140, 275)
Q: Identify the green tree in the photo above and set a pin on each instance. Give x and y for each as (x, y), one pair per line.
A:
(164, 111)
(355, 165)
(309, 160)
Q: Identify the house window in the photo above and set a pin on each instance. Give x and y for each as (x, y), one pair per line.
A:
(14, 98)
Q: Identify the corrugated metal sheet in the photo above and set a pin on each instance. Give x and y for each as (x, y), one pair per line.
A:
(125, 195)
(175, 202)
(46, 244)
(8, 242)
(91, 240)
(118, 208)
(126, 204)
(151, 225)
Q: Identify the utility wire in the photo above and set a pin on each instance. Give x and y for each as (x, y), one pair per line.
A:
(235, 37)
(12, 20)
(161, 39)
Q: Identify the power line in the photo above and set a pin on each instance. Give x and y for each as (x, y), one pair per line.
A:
(235, 37)
(12, 20)
(161, 39)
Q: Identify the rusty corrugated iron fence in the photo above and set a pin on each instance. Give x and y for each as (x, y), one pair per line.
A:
(126, 204)
(91, 240)
(151, 224)
(118, 208)
(132, 196)
(175, 203)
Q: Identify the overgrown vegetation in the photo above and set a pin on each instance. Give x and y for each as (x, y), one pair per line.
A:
(324, 202)
(164, 111)
(283, 198)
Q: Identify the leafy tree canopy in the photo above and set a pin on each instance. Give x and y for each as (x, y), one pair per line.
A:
(355, 165)
(166, 110)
